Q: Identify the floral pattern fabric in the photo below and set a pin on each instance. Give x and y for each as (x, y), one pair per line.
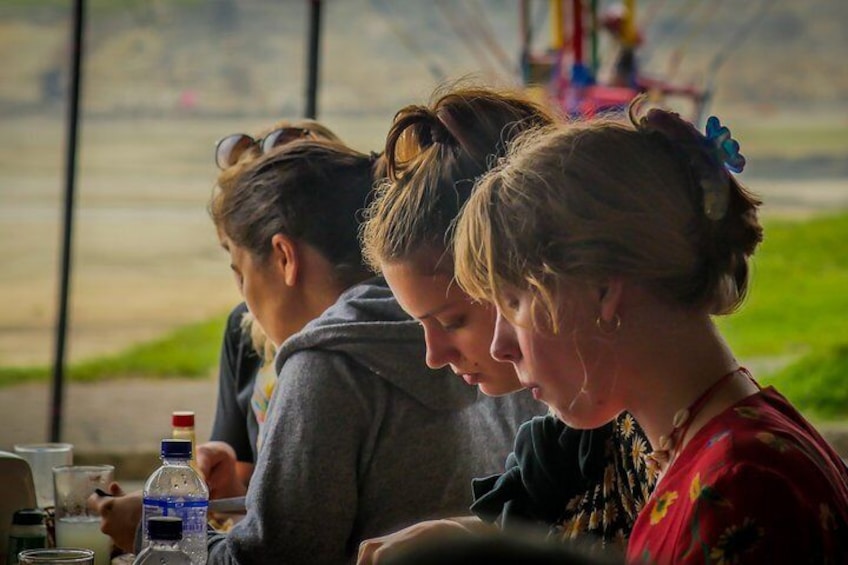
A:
(607, 510)
(757, 484)
(263, 388)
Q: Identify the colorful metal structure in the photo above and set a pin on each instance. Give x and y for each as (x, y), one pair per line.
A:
(572, 81)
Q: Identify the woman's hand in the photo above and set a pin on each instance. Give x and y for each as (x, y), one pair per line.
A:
(120, 515)
(372, 551)
(216, 461)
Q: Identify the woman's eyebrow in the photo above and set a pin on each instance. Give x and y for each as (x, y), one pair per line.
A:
(436, 311)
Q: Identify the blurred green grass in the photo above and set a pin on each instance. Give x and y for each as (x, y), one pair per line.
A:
(817, 383)
(797, 301)
(189, 351)
(796, 309)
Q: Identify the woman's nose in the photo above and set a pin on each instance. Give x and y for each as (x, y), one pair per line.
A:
(440, 352)
(504, 346)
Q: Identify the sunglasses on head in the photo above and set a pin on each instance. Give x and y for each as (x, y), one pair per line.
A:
(229, 149)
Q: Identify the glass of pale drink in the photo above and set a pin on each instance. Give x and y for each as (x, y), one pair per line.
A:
(77, 525)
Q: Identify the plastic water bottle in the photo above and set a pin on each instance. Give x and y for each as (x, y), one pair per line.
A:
(165, 533)
(175, 489)
(27, 532)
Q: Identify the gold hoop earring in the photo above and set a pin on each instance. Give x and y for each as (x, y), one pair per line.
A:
(608, 327)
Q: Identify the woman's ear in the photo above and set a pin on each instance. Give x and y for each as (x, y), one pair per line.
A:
(286, 257)
(611, 293)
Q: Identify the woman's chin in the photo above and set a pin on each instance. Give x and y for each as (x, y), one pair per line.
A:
(575, 418)
(495, 388)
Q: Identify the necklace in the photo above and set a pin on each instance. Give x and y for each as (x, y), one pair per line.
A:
(668, 447)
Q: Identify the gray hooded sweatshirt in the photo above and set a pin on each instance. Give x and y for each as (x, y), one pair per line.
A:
(362, 439)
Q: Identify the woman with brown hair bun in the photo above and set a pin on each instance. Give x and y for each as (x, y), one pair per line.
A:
(571, 482)
(246, 376)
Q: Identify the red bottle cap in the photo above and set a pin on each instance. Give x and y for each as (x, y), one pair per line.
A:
(182, 419)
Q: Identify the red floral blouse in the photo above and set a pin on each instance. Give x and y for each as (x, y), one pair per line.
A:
(757, 484)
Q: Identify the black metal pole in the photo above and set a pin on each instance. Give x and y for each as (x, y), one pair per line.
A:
(78, 16)
(313, 59)
(526, 40)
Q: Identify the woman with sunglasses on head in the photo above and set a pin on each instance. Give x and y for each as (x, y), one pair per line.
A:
(361, 438)
(572, 482)
(607, 248)
(246, 376)
(246, 373)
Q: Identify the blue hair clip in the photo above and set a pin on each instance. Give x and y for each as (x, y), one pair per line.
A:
(727, 149)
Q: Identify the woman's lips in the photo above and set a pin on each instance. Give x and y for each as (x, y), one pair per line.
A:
(471, 378)
(533, 388)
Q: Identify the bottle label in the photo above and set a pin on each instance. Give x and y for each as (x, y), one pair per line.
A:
(18, 544)
(192, 512)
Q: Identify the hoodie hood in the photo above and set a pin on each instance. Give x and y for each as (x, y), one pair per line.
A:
(368, 325)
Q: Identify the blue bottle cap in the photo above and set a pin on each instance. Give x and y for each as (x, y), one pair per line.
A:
(166, 528)
(176, 448)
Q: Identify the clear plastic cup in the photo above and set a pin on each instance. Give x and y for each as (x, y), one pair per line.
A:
(42, 457)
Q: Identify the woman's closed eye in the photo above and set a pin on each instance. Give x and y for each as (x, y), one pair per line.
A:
(453, 323)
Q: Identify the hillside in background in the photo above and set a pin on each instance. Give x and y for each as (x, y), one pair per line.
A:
(248, 57)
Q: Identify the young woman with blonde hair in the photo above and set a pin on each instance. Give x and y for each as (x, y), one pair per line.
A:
(607, 248)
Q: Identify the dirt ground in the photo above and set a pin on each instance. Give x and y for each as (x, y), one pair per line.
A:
(145, 258)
